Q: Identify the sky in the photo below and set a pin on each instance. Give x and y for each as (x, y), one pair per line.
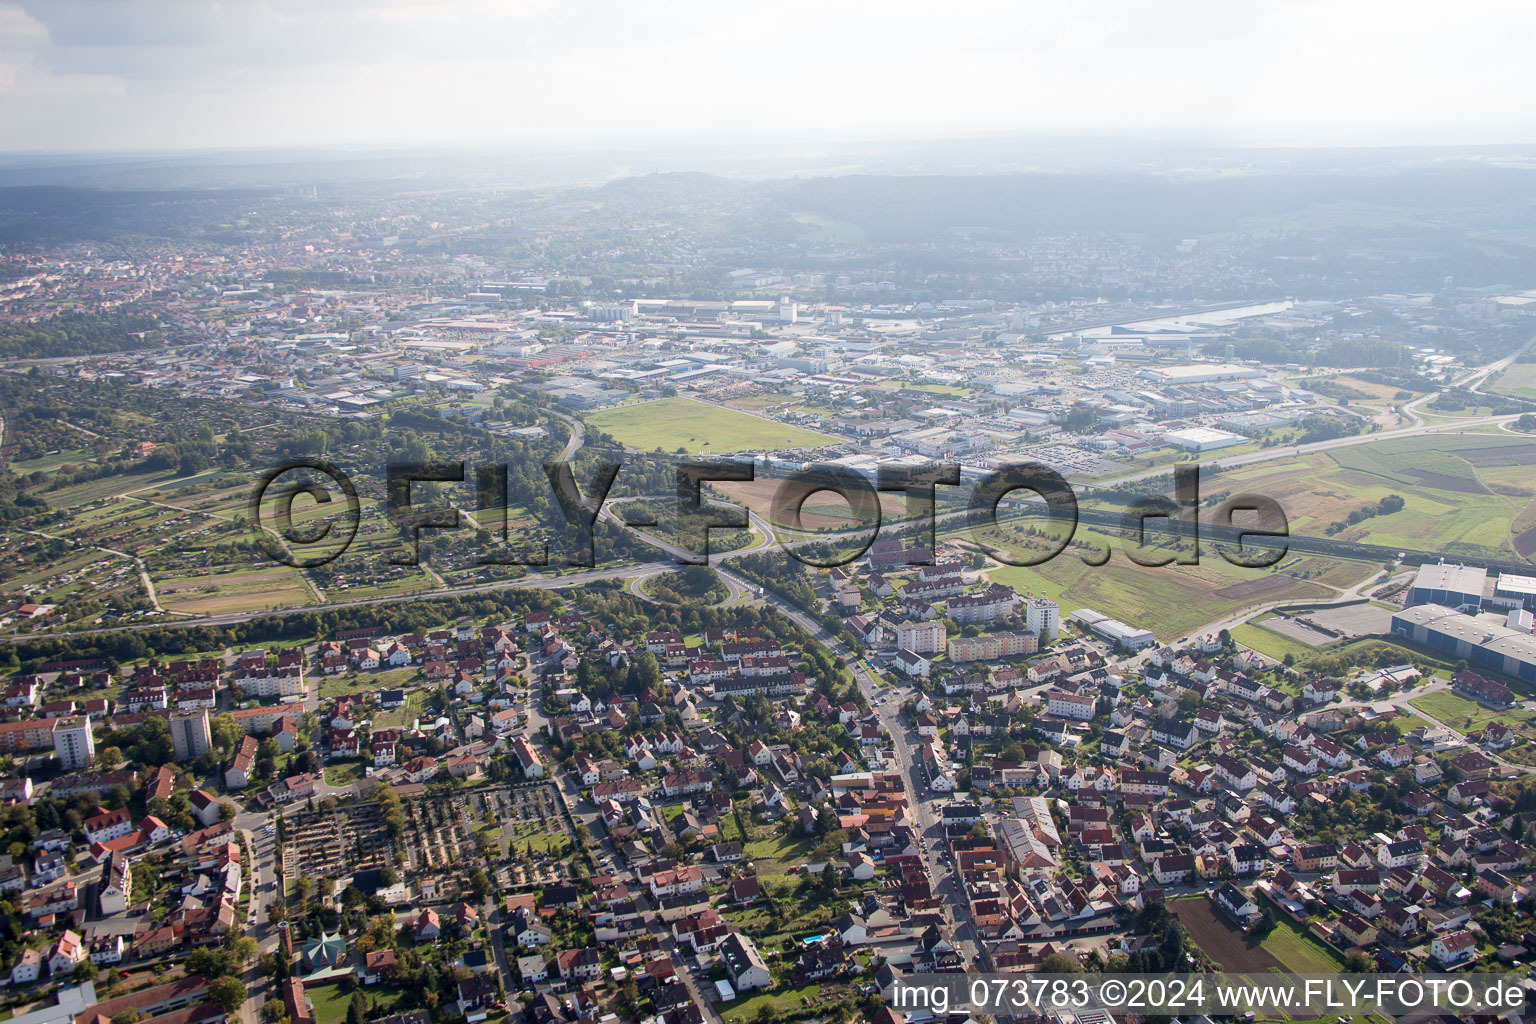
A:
(134, 75)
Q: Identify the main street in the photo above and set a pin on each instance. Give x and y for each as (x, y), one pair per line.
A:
(925, 817)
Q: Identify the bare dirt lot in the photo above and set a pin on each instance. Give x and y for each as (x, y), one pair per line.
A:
(1222, 941)
(824, 510)
(1255, 588)
(1446, 483)
(1525, 543)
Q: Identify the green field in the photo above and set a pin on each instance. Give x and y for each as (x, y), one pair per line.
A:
(1462, 493)
(672, 423)
(950, 390)
(780, 1003)
(775, 855)
(1269, 643)
(1461, 713)
(368, 682)
(1299, 952)
(818, 228)
(1171, 600)
(343, 774)
(1519, 380)
(213, 593)
(331, 1002)
(1405, 724)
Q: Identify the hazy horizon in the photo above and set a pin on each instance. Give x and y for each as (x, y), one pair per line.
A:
(164, 75)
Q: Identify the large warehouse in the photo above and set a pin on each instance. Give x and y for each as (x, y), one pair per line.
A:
(1200, 373)
(1511, 591)
(1450, 585)
(1484, 640)
(1112, 630)
(1203, 439)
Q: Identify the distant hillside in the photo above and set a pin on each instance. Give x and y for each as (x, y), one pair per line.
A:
(930, 208)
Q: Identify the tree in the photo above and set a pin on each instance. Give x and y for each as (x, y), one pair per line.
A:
(1061, 963)
(212, 963)
(242, 948)
(227, 811)
(273, 1011)
(357, 1010)
(480, 884)
(1359, 963)
(227, 734)
(229, 993)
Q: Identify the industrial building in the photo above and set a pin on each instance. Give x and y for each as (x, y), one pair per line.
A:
(1486, 640)
(1112, 630)
(1203, 439)
(1452, 586)
(1511, 591)
(1200, 373)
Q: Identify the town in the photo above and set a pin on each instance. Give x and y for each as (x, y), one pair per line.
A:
(524, 754)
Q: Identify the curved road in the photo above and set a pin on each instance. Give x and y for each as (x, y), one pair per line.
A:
(577, 438)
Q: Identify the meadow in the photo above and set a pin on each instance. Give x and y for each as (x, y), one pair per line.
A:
(1472, 494)
(1519, 381)
(668, 424)
(1170, 600)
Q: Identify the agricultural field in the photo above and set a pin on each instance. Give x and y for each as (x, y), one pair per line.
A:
(1469, 493)
(190, 533)
(1519, 381)
(185, 514)
(1286, 949)
(822, 511)
(669, 424)
(1221, 940)
(230, 591)
(1170, 600)
(1298, 952)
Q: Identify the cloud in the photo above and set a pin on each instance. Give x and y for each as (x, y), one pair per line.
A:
(178, 74)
